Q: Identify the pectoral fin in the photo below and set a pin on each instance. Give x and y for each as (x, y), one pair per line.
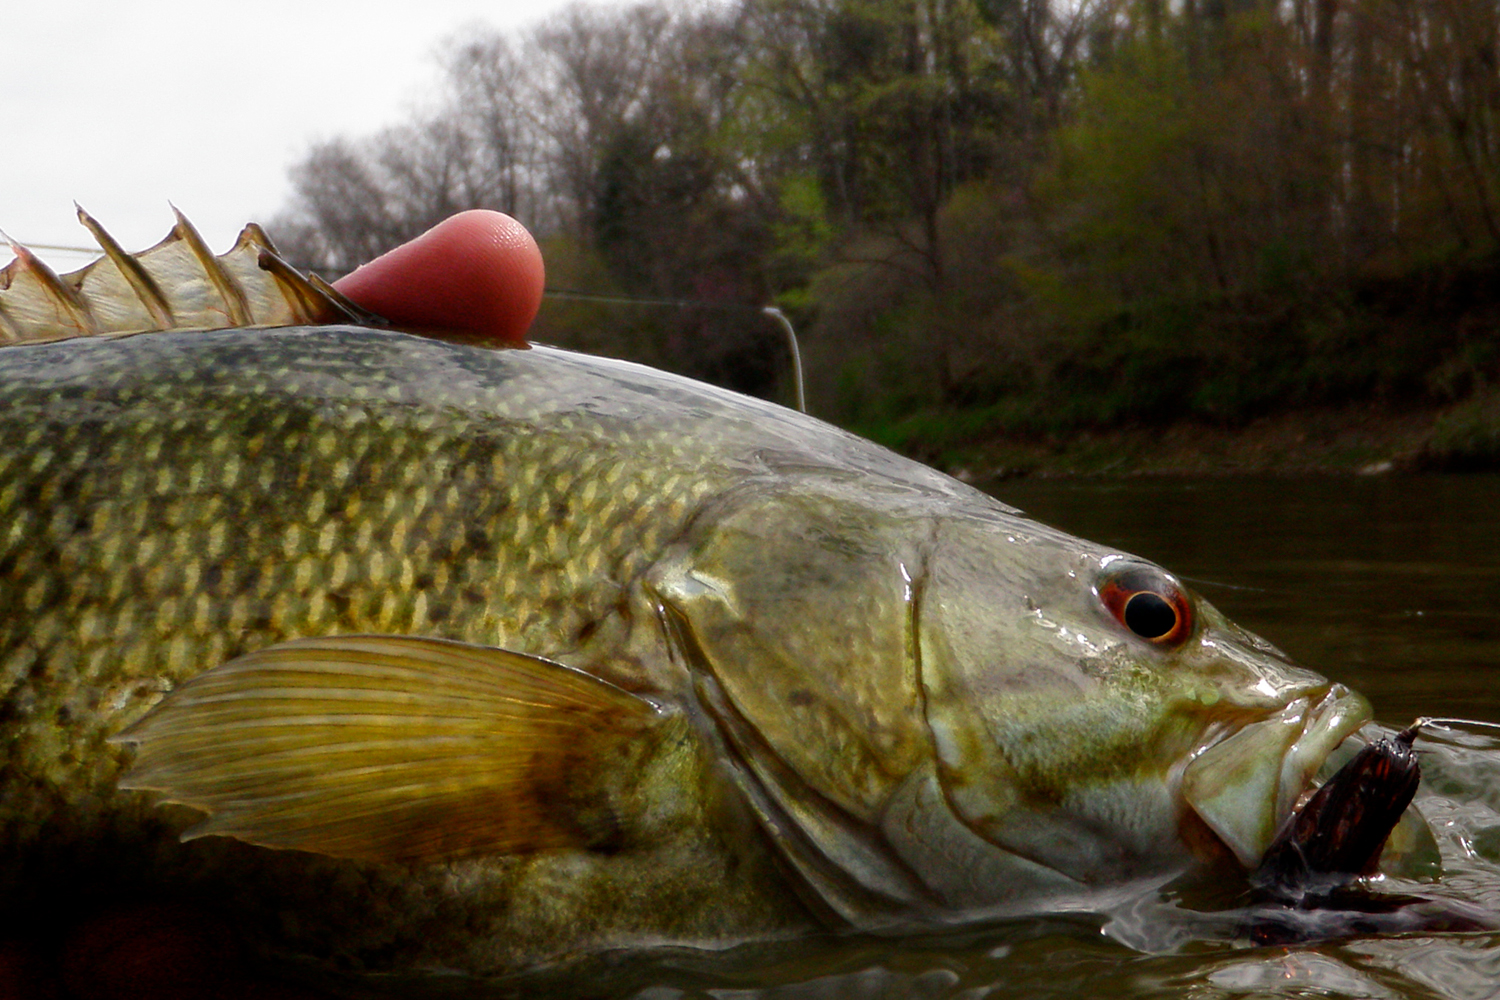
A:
(389, 748)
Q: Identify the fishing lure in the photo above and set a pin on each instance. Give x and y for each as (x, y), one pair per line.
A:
(178, 284)
(1339, 833)
(1307, 885)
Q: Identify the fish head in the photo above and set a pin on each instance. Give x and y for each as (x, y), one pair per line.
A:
(1091, 713)
(935, 711)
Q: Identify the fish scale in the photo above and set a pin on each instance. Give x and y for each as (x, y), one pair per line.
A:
(728, 672)
(274, 540)
(423, 522)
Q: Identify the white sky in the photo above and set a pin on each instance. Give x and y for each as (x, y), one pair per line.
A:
(123, 105)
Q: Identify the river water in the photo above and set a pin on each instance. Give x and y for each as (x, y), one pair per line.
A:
(1390, 584)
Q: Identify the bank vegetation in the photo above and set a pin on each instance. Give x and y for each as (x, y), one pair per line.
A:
(1017, 220)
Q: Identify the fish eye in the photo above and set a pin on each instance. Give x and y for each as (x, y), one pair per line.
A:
(1148, 603)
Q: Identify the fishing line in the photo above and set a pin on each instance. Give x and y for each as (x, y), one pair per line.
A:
(57, 247)
(1446, 723)
(1223, 586)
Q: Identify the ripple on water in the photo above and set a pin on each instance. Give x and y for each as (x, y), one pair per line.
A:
(1291, 974)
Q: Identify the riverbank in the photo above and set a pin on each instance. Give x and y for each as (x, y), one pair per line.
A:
(1355, 440)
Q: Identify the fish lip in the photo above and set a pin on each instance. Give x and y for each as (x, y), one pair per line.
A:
(1244, 782)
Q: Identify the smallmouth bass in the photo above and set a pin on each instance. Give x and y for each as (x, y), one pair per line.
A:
(443, 657)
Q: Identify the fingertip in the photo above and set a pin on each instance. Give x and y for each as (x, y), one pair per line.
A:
(478, 274)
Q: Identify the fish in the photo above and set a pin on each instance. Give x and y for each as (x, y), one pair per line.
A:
(416, 655)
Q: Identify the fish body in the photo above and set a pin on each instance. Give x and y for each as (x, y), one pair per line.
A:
(474, 659)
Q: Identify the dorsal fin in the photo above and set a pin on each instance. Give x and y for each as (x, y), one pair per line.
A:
(33, 297)
(176, 285)
(141, 283)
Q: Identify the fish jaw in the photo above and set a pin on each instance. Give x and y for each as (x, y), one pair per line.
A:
(1245, 782)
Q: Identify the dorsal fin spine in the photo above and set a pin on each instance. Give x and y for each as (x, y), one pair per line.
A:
(62, 295)
(254, 235)
(140, 282)
(353, 312)
(229, 290)
(294, 287)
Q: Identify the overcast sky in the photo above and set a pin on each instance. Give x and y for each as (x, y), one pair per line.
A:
(124, 105)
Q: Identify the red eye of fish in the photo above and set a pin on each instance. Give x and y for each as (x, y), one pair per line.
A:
(1149, 604)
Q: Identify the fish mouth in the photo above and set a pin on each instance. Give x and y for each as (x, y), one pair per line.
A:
(1244, 784)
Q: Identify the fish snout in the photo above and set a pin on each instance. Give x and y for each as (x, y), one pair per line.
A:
(1244, 782)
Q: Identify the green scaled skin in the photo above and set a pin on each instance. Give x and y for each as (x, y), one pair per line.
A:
(839, 688)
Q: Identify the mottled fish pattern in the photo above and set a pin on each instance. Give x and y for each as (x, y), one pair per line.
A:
(169, 502)
(517, 656)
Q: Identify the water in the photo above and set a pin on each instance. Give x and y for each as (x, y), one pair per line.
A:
(1391, 585)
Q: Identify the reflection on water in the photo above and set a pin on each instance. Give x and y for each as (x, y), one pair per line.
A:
(1391, 585)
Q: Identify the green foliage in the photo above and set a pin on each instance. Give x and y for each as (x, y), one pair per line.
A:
(1467, 437)
(803, 233)
(1192, 247)
(988, 216)
(1119, 168)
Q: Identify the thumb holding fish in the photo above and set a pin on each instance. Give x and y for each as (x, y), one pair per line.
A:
(477, 274)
